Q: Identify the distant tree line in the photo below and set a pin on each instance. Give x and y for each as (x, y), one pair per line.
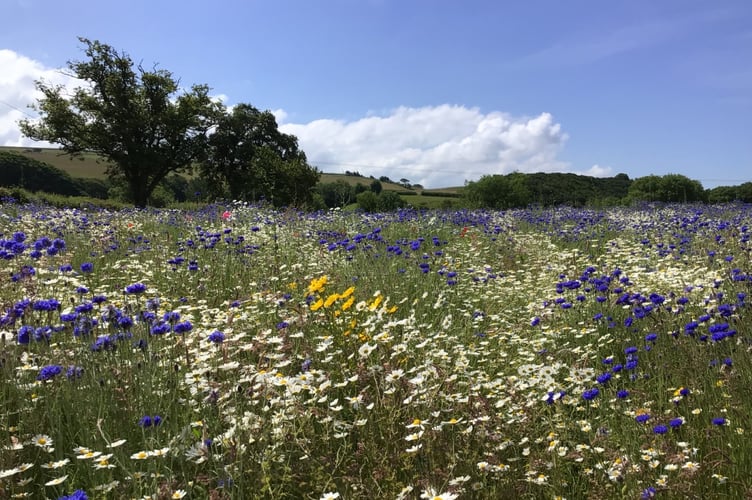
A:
(551, 189)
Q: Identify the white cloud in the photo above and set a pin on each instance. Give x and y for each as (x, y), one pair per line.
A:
(436, 146)
(598, 171)
(17, 92)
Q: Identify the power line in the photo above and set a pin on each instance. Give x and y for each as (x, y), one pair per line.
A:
(16, 108)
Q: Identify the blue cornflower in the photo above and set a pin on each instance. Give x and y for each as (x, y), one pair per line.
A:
(103, 343)
(603, 377)
(87, 267)
(49, 372)
(650, 337)
(590, 394)
(535, 322)
(125, 322)
(660, 429)
(630, 350)
(145, 421)
(306, 365)
(282, 324)
(24, 334)
(622, 394)
(648, 492)
(216, 337)
(642, 417)
(719, 421)
(160, 329)
(171, 316)
(68, 317)
(74, 372)
(183, 327)
(675, 423)
(135, 288)
(76, 495)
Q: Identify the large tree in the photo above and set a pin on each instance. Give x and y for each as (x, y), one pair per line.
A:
(139, 120)
(250, 159)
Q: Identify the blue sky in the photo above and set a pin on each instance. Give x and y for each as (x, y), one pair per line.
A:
(438, 92)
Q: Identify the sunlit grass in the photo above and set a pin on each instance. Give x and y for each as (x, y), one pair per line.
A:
(242, 352)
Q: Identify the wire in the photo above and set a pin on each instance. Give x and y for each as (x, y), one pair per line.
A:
(16, 108)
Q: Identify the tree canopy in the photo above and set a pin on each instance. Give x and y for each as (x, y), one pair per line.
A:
(136, 119)
(146, 126)
(249, 158)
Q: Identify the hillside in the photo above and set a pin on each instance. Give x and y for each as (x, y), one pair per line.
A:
(88, 165)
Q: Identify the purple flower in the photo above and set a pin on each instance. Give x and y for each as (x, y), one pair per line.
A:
(642, 417)
(660, 429)
(135, 288)
(590, 394)
(719, 421)
(87, 267)
(49, 372)
(675, 423)
(216, 337)
(76, 495)
(183, 327)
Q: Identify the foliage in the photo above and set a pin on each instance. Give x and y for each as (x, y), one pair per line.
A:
(95, 188)
(385, 201)
(668, 188)
(545, 189)
(723, 194)
(134, 118)
(336, 194)
(21, 171)
(376, 186)
(250, 159)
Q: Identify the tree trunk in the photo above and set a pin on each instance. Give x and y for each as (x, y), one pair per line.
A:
(139, 192)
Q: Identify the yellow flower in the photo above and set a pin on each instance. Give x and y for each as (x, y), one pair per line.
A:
(348, 292)
(348, 303)
(331, 300)
(376, 303)
(317, 284)
(317, 305)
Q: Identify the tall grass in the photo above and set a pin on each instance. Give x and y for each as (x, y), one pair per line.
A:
(242, 352)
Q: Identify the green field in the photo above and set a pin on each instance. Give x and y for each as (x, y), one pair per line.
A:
(88, 165)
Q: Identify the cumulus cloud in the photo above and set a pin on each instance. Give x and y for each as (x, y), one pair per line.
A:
(436, 146)
(17, 92)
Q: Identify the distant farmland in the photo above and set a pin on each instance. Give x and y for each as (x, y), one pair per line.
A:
(87, 165)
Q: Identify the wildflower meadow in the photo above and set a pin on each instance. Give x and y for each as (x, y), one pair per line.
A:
(245, 352)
